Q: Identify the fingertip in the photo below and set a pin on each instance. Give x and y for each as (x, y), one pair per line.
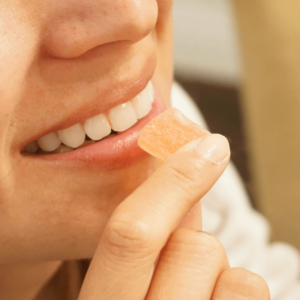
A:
(214, 147)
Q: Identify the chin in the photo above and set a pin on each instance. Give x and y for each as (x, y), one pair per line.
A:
(66, 219)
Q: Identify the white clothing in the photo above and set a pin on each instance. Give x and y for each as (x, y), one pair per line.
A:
(244, 233)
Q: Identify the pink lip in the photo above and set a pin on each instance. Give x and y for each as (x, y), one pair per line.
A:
(116, 152)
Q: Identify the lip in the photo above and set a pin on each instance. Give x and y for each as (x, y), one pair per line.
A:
(111, 95)
(114, 152)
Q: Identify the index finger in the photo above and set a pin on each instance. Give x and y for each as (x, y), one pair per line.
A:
(141, 225)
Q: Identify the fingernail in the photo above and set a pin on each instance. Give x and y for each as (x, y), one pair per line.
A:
(214, 147)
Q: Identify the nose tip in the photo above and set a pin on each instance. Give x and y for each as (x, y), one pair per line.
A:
(80, 28)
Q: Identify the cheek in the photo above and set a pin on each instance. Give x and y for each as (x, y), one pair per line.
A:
(18, 44)
(164, 39)
(165, 6)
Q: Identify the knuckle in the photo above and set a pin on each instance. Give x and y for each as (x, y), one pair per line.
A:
(245, 284)
(259, 288)
(127, 236)
(210, 246)
(207, 246)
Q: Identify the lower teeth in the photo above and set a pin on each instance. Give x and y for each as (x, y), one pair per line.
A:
(63, 148)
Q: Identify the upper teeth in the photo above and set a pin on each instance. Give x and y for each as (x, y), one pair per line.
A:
(122, 117)
(73, 136)
(119, 118)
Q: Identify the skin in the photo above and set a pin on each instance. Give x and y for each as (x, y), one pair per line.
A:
(57, 57)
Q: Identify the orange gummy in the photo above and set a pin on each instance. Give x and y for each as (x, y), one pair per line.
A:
(168, 132)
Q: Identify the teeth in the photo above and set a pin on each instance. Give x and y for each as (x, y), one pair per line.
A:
(119, 118)
(122, 117)
(86, 143)
(142, 103)
(151, 91)
(31, 148)
(49, 142)
(63, 149)
(97, 127)
(73, 136)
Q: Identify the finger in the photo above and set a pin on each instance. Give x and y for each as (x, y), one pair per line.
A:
(141, 225)
(193, 219)
(189, 267)
(158, 163)
(239, 284)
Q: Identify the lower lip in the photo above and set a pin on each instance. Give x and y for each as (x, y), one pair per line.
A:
(115, 152)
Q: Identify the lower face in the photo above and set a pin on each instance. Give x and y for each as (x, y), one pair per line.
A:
(66, 198)
(54, 206)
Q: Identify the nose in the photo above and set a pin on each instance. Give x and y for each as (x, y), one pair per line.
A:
(74, 27)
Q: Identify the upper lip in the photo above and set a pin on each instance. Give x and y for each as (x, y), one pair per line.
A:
(110, 97)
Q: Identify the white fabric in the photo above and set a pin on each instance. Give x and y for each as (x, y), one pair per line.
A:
(244, 233)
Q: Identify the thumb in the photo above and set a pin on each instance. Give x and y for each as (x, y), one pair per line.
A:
(142, 224)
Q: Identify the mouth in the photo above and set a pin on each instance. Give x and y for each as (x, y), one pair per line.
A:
(109, 138)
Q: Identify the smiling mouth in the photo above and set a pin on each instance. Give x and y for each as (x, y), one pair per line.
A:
(103, 126)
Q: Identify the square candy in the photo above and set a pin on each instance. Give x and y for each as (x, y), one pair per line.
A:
(168, 132)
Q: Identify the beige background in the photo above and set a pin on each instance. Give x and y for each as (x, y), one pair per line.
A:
(269, 39)
(270, 34)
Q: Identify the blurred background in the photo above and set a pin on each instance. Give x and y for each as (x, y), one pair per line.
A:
(265, 147)
(207, 66)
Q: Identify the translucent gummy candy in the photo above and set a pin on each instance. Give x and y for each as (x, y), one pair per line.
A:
(168, 132)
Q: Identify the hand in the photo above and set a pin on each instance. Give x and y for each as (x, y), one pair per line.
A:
(141, 233)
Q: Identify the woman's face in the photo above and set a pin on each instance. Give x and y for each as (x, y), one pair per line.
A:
(63, 62)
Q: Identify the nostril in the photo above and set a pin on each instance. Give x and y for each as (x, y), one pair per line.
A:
(78, 29)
